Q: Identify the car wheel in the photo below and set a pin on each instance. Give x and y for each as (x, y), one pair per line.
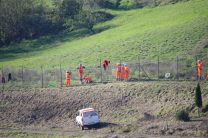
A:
(98, 125)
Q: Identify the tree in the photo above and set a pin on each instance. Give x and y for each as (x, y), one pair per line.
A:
(87, 17)
(86, 20)
(28, 19)
(182, 115)
(198, 97)
(69, 8)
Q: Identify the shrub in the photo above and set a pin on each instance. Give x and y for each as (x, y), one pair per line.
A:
(125, 130)
(205, 109)
(198, 96)
(182, 116)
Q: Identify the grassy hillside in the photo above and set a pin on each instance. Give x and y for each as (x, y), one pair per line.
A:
(168, 31)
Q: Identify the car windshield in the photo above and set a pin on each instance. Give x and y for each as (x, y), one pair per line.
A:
(88, 114)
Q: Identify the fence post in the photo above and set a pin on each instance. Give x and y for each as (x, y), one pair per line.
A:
(101, 72)
(177, 75)
(61, 76)
(158, 67)
(197, 77)
(206, 72)
(1, 79)
(22, 76)
(139, 68)
(120, 72)
(41, 76)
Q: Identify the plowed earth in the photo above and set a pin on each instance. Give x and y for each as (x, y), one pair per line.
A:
(134, 109)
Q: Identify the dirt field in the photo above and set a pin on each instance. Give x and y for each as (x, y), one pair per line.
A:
(134, 109)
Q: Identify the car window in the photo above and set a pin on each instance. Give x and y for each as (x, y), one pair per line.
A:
(88, 114)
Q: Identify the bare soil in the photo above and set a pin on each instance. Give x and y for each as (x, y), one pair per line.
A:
(133, 109)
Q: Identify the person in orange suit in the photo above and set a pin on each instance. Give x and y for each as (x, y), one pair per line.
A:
(81, 72)
(3, 80)
(106, 64)
(118, 71)
(123, 74)
(88, 79)
(68, 78)
(126, 70)
(199, 68)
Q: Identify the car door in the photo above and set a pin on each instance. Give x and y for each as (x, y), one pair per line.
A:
(79, 118)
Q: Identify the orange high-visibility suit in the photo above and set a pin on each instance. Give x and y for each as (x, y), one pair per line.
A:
(118, 72)
(68, 79)
(126, 69)
(88, 79)
(81, 71)
(199, 65)
(123, 73)
(106, 64)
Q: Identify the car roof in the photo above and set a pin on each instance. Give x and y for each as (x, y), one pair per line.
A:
(87, 110)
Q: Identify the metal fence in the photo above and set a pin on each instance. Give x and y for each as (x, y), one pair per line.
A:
(178, 69)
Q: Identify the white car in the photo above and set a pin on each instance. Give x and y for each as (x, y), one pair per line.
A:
(87, 117)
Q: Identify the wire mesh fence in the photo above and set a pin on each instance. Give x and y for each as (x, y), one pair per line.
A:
(160, 69)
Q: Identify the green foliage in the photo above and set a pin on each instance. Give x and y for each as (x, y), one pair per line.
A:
(69, 8)
(26, 19)
(87, 19)
(205, 109)
(126, 129)
(141, 32)
(29, 19)
(182, 116)
(198, 96)
(132, 4)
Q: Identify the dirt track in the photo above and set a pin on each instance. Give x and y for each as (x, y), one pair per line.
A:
(127, 109)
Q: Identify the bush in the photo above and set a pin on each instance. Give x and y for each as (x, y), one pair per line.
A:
(205, 109)
(182, 116)
(198, 96)
(125, 130)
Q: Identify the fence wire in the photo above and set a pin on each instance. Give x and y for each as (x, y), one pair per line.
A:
(54, 77)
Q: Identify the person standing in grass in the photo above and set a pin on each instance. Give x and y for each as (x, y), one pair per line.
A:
(9, 77)
(123, 72)
(118, 71)
(199, 68)
(106, 64)
(81, 72)
(68, 78)
(126, 70)
(3, 80)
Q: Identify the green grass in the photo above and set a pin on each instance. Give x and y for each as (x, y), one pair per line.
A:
(168, 31)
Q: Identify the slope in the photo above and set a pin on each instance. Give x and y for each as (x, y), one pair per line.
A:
(168, 31)
(130, 109)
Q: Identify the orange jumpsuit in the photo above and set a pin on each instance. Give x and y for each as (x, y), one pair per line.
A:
(106, 64)
(68, 79)
(199, 65)
(81, 72)
(123, 73)
(88, 79)
(118, 72)
(126, 69)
